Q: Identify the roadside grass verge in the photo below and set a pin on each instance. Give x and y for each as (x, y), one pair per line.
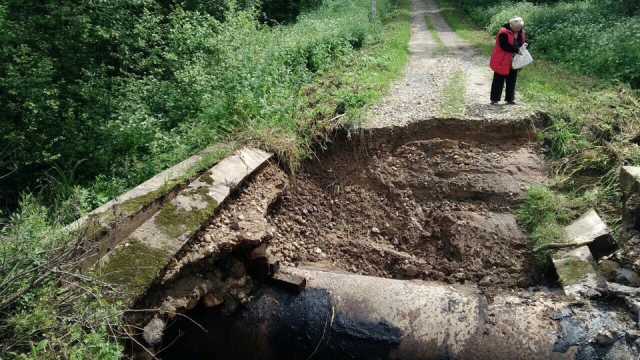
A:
(591, 130)
(284, 89)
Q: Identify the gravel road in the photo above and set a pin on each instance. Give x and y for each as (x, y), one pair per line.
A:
(435, 68)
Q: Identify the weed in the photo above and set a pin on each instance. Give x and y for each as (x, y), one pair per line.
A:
(442, 49)
(453, 103)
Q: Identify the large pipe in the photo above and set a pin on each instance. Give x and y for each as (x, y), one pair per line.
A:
(341, 316)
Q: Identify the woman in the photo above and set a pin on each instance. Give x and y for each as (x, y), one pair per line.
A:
(508, 42)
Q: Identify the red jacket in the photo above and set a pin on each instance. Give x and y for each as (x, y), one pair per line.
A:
(500, 61)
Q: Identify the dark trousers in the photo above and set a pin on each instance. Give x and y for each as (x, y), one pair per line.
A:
(498, 84)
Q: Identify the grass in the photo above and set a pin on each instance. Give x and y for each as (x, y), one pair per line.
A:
(465, 28)
(453, 104)
(590, 131)
(442, 49)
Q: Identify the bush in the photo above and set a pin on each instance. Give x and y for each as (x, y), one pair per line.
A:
(122, 86)
(583, 35)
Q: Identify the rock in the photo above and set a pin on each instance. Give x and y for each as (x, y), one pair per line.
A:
(555, 314)
(375, 230)
(152, 333)
(632, 334)
(169, 310)
(192, 301)
(618, 289)
(486, 281)
(237, 269)
(627, 277)
(235, 226)
(577, 271)
(411, 270)
(259, 252)
(211, 300)
(630, 186)
(207, 238)
(609, 269)
(606, 337)
(317, 250)
(590, 227)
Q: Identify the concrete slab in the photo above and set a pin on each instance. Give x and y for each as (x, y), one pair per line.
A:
(109, 224)
(233, 170)
(577, 270)
(590, 227)
(135, 264)
(630, 186)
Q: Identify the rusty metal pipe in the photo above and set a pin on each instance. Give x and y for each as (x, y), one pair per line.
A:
(342, 316)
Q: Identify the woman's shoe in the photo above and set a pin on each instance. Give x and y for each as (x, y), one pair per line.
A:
(494, 103)
(512, 102)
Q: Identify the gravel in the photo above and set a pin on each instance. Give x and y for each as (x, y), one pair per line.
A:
(419, 94)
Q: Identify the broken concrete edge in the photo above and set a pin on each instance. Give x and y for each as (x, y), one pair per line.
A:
(629, 180)
(591, 230)
(134, 265)
(577, 270)
(630, 187)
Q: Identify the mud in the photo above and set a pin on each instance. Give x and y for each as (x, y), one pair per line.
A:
(432, 208)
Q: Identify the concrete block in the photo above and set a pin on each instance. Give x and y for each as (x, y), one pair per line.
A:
(630, 186)
(230, 172)
(577, 271)
(137, 262)
(590, 227)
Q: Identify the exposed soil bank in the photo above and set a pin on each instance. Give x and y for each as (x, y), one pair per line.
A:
(433, 200)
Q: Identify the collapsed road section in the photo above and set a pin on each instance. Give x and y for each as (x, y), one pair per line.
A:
(401, 243)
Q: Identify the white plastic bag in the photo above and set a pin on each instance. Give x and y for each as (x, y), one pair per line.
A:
(519, 61)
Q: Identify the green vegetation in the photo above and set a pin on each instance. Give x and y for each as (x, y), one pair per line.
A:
(434, 34)
(591, 37)
(100, 96)
(542, 214)
(453, 103)
(175, 222)
(573, 269)
(134, 266)
(592, 123)
(48, 309)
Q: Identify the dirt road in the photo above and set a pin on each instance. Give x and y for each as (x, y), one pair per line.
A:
(446, 77)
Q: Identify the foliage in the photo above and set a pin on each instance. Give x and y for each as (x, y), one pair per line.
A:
(128, 88)
(47, 310)
(584, 35)
(540, 206)
(542, 214)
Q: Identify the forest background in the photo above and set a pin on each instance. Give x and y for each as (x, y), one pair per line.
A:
(98, 96)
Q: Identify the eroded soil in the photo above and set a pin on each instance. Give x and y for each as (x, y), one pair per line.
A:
(434, 209)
